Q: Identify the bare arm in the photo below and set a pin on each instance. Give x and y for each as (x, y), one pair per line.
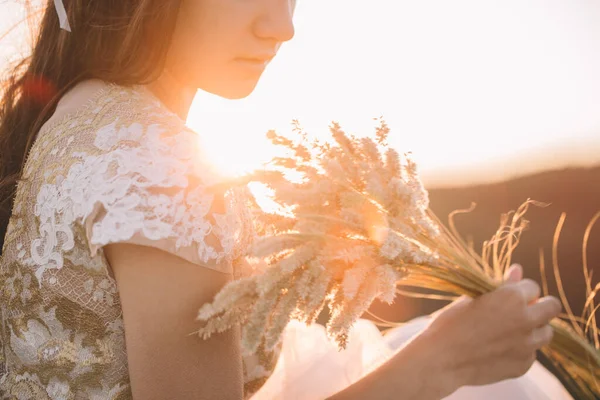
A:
(160, 295)
(471, 343)
(416, 372)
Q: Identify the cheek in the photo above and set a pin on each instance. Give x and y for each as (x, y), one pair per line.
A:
(191, 45)
(206, 29)
(209, 35)
(195, 60)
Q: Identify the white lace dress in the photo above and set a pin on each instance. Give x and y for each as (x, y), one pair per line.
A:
(122, 169)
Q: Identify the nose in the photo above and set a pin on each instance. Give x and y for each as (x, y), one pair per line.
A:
(276, 22)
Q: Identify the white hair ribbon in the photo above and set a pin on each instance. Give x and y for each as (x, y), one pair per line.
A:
(62, 15)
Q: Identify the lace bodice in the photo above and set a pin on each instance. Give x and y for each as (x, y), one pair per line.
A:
(122, 169)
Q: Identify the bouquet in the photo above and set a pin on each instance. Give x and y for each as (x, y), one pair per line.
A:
(354, 225)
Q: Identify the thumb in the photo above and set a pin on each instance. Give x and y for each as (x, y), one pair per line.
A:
(514, 274)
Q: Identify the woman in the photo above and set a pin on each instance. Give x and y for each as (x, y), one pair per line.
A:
(114, 237)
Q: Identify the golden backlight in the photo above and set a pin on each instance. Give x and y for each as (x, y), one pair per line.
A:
(478, 90)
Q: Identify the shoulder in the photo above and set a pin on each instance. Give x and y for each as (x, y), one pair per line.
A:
(118, 133)
(103, 124)
(94, 109)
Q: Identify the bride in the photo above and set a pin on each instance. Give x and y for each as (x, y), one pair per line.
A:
(114, 236)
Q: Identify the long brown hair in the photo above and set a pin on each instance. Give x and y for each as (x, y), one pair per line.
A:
(119, 41)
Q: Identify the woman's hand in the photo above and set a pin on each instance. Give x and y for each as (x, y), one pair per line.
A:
(495, 336)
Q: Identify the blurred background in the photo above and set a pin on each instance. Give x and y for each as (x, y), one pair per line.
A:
(499, 101)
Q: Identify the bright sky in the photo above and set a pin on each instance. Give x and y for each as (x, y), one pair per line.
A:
(464, 84)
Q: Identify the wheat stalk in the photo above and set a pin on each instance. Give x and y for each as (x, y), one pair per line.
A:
(359, 228)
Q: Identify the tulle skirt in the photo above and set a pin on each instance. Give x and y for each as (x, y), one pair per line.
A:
(310, 367)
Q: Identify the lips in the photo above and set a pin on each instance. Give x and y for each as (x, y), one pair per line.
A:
(254, 64)
(262, 58)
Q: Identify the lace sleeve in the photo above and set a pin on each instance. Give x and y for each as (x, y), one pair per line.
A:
(148, 185)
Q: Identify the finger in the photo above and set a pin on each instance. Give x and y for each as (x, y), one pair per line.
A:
(514, 274)
(541, 337)
(543, 310)
(529, 289)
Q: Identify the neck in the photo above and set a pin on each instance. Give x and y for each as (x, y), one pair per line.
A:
(174, 95)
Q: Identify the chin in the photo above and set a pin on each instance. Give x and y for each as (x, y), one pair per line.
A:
(232, 90)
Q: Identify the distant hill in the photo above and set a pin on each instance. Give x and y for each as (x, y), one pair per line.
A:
(575, 191)
(578, 153)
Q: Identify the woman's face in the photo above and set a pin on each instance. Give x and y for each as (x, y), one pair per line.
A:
(223, 46)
